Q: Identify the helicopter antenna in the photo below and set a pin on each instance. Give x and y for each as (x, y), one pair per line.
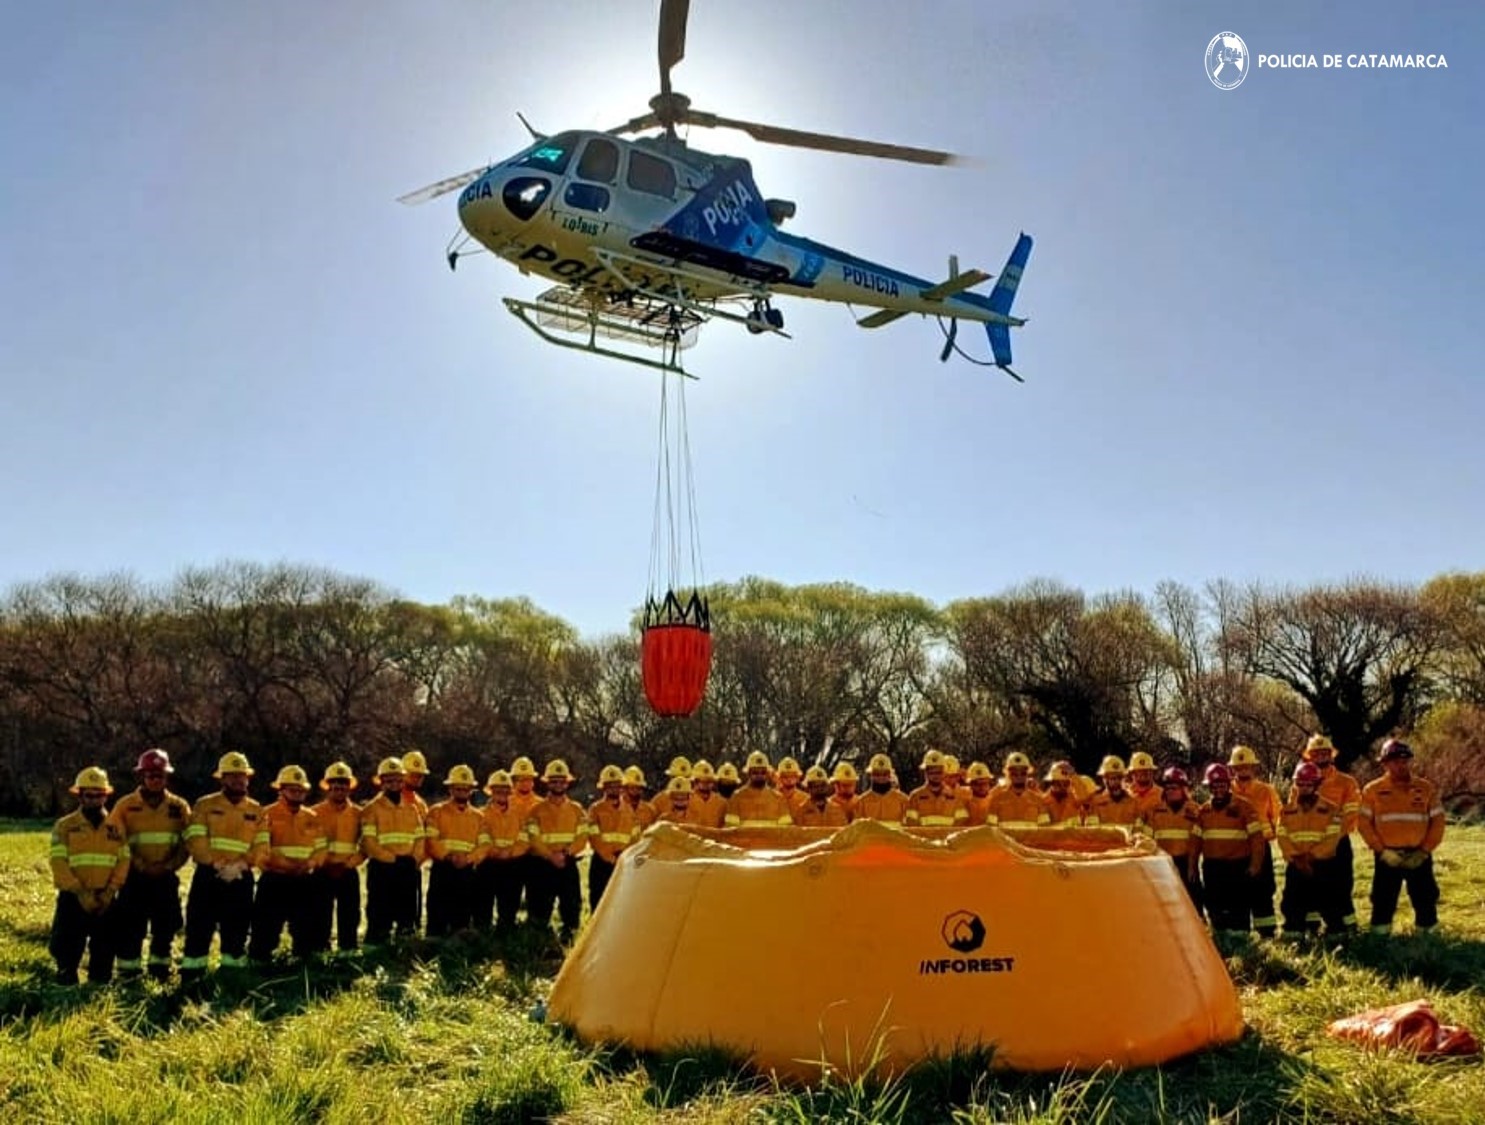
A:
(535, 136)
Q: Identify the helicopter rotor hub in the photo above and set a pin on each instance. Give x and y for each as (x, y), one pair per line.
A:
(670, 108)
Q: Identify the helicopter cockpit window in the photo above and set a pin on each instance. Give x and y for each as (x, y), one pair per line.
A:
(551, 155)
(651, 174)
(600, 162)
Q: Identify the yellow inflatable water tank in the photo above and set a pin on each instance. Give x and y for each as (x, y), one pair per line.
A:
(907, 944)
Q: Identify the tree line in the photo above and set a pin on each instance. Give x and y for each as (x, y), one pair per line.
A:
(294, 664)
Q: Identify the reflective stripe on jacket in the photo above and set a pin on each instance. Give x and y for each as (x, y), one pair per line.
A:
(222, 831)
(155, 833)
(88, 858)
(1401, 815)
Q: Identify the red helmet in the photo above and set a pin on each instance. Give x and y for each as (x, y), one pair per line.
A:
(1175, 775)
(1217, 772)
(1307, 773)
(153, 760)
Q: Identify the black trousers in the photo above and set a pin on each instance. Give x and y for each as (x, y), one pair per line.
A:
(600, 871)
(282, 899)
(1227, 891)
(1345, 881)
(1310, 898)
(1261, 891)
(148, 904)
(451, 898)
(75, 931)
(336, 902)
(497, 885)
(213, 905)
(393, 891)
(559, 886)
(1423, 893)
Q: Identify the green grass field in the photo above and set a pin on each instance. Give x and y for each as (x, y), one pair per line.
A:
(445, 1036)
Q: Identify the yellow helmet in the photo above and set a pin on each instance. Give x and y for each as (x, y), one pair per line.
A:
(879, 763)
(1111, 766)
(233, 762)
(557, 769)
(610, 774)
(338, 771)
(788, 767)
(1016, 760)
(459, 775)
(91, 778)
(291, 775)
(1060, 771)
(728, 772)
(498, 780)
(757, 760)
(390, 767)
(817, 773)
(1242, 756)
(978, 771)
(1139, 760)
(702, 771)
(522, 767)
(679, 767)
(634, 776)
(1317, 742)
(933, 759)
(679, 785)
(951, 764)
(844, 771)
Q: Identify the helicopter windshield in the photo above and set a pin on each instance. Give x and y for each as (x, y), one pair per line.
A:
(552, 154)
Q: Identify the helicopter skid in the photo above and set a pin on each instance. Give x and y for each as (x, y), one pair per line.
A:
(733, 287)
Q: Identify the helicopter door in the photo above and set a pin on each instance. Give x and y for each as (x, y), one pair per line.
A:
(598, 168)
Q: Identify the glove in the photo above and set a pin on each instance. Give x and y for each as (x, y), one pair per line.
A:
(1413, 859)
(1391, 857)
(87, 899)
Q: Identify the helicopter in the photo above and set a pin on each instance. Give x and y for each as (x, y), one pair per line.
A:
(648, 239)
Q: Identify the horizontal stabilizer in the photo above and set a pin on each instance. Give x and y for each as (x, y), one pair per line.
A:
(954, 285)
(881, 317)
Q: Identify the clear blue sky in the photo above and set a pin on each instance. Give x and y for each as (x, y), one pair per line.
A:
(1253, 348)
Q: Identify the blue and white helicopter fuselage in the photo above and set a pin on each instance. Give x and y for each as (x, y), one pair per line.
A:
(648, 238)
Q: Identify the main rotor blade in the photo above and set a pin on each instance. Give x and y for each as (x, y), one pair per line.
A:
(673, 15)
(773, 134)
(443, 187)
(635, 124)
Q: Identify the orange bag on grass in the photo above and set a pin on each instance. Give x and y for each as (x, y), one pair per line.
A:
(1413, 1026)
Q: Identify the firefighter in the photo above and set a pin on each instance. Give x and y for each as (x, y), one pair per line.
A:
(843, 789)
(820, 810)
(1014, 803)
(1228, 840)
(153, 821)
(1141, 782)
(1172, 824)
(634, 794)
(392, 841)
(1309, 831)
(498, 877)
(707, 809)
(979, 781)
(1402, 821)
(1113, 804)
(883, 800)
(523, 799)
(90, 863)
(226, 836)
(1243, 761)
(457, 843)
(679, 767)
(757, 804)
(786, 777)
(729, 781)
(935, 804)
(337, 896)
(678, 800)
(286, 887)
(558, 830)
(1339, 789)
(1063, 804)
(954, 775)
(415, 772)
(612, 828)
